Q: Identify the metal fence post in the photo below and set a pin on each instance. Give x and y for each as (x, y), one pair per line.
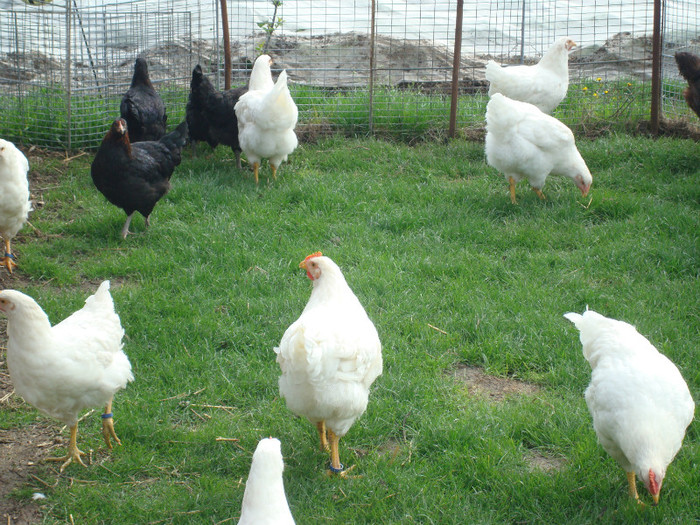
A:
(68, 76)
(371, 66)
(522, 33)
(656, 70)
(456, 61)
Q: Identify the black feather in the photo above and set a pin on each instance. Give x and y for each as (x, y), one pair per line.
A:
(142, 107)
(210, 115)
(135, 176)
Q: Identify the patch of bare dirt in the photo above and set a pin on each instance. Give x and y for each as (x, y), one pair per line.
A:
(21, 449)
(495, 388)
(543, 461)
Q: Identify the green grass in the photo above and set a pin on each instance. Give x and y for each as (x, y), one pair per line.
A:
(426, 236)
(41, 117)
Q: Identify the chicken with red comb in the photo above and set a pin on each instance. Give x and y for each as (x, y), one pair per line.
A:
(640, 404)
(329, 357)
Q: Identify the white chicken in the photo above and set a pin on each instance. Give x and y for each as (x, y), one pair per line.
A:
(264, 501)
(14, 197)
(267, 116)
(329, 356)
(524, 143)
(638, 399)
(76, 364)
(544, 85)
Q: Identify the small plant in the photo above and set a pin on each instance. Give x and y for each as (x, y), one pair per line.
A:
(270, 26)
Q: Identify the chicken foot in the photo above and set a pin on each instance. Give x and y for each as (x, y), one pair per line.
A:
(8, 259)
(511, 183)
(74, 452)
(632, 489)
(336, 467)
(108, 426)
(125, 229)
(321, 427)
(256, 166)
(539, 193)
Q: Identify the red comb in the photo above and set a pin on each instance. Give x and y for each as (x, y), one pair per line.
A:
(315, 254)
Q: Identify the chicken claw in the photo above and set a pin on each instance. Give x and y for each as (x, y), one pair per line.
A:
(108, 427)
(8, 262)
(539, 193)
(511, 184)
(74, 452)
(321, 427)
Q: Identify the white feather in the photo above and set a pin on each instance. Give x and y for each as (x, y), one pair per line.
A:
(331, 355)
(264, 500)
(639, 402)
(76, 364)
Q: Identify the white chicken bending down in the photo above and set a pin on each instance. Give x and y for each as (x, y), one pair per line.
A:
(329, 356)
(638, 399)
(524, 143)
(544, 85)
(75, 364)
(267, 116)
(14, 197)
(264, 501)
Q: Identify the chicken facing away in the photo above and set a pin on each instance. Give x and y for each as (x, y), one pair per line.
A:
(524, 143)
(267, 116)
(63, 369)
(689, 68)
(142, 107)
(14, 197)
(210, 114)
(638, 399)
(264, 500)
(329, 356)
(135, 176)
(544, 84)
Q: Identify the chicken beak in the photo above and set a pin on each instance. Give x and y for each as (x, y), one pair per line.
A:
(584, 190)
(302, 265)
(655, 497)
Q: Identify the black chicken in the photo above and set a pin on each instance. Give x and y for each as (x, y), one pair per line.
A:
(210, 115)
(689, 68)
(142, 107)
(135, 176)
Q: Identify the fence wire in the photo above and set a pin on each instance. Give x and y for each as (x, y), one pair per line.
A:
(680, 33)
(64, 66)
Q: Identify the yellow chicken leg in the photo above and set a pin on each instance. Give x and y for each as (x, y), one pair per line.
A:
(511, 182)
(256, 165)
(336, 465)
(539, 193)
(274, 171)
(108, 426)
(74, 452)
(321, 427)
(632, 480)
(8, 259)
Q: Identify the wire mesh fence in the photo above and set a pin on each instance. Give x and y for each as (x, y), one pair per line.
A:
(370, 66)
(680, 33)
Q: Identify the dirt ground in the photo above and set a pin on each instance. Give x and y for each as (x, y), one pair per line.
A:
(22, 449)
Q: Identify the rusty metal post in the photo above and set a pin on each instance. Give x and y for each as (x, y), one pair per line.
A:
(227, 45)
(457, 60)
(656, 70)
(372, 64)
(69, 77)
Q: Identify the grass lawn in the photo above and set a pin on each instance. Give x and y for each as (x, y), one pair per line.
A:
(451, 273)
